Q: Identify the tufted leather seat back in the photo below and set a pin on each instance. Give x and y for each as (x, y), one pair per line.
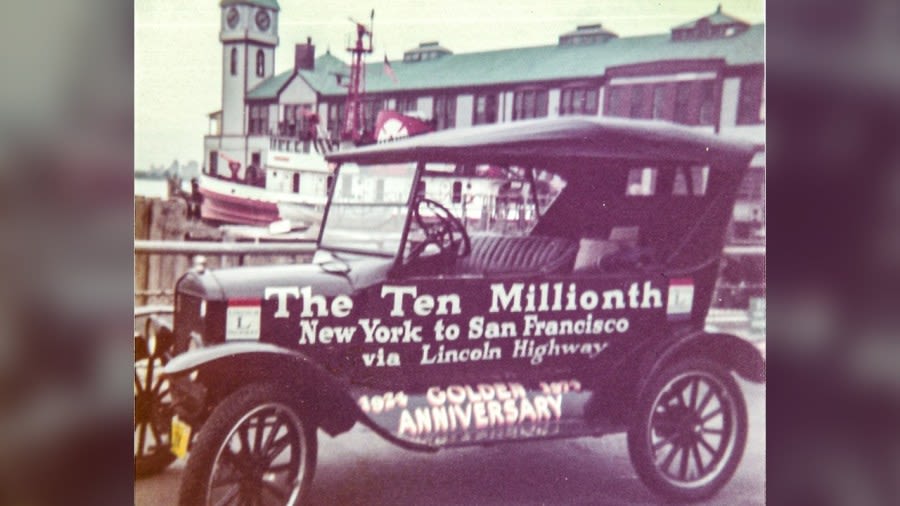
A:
(497, 254)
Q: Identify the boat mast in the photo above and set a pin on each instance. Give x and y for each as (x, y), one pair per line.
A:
(356, 89)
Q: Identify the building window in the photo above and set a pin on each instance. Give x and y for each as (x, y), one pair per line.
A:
(260, 63)
(297, 121)
(750, 100)
(288, 124)
(234, 61)
(691, 102)
(444, 113)
(682, 101)
(703, 28)
(659, 102)
(636, 108)
(407, 104)
(578, 101)
(335, 120)
(529, 104)
(259, 119)
(707, 102)
(370, 111)
(485, 110)
(615, 103)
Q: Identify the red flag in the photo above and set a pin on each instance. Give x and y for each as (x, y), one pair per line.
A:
(389, 70)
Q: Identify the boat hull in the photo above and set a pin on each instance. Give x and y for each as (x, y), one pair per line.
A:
(234, 202)
(220, 207)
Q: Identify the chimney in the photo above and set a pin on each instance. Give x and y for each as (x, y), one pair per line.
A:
(305, 56)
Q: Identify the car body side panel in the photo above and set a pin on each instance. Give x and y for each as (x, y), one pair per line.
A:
(462, 360)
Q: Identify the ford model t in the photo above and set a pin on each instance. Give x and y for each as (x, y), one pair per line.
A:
(506, 283)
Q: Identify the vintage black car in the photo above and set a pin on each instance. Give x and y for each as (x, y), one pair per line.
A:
(503, 283)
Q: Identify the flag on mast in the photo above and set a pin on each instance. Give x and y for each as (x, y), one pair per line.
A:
(388, 70)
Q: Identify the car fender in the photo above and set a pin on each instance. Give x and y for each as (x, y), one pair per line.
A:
(223, 368)
(736, 354)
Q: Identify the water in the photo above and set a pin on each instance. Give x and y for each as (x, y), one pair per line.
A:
(156, 188)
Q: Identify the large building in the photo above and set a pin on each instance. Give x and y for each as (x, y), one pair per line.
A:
(708, 73)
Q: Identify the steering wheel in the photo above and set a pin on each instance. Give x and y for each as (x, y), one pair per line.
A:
(446, 232)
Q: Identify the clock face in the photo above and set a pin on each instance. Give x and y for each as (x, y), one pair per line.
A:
(232, 17)
(262, 20)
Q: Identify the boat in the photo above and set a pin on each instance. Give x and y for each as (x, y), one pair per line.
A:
(285, 186)
(291, 186)
(288, 180)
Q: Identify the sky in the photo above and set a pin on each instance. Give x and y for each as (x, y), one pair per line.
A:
(178, 62)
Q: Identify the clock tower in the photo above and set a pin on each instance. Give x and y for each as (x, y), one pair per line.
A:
(249, 37)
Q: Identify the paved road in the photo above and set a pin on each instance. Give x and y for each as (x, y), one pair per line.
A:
(358, 468)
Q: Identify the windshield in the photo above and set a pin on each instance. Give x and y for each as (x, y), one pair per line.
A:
(369, 208)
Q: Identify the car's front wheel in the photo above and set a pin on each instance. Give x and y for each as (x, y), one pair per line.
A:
(152, 406)
(255, 448)
(689, 430)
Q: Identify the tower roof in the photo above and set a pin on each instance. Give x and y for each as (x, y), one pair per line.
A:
(270, 4)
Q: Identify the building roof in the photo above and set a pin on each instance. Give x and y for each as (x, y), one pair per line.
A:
(324, 77)
(426, 47)
(524, 65)
(271, 4)
(716, 18)
(543, 63)
(271, 86)
(594, 29)
(557, 140)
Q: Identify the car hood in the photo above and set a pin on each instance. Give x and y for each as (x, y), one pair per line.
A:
(251, 282)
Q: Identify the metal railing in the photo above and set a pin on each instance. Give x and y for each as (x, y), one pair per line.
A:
(160, 284)
(297, 247)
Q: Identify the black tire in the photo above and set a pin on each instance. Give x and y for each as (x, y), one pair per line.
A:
(691, 415)
(152, 415)
(230, 458)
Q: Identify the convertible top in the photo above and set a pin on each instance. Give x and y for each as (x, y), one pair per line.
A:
(557, 140)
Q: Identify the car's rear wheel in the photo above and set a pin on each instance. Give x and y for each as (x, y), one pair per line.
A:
(689, 430)
(255, 448)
